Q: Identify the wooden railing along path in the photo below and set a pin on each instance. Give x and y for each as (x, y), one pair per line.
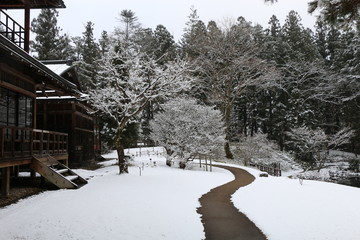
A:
(273, 170)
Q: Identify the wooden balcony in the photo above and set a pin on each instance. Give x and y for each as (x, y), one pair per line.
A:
(12, 30)
(19, 145)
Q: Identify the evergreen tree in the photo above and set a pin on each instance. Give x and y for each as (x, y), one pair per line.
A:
(165, 49)
(104, 43)
(89, 54)
(49, 44)
(194, 37)
(131, 26)
(300, 40)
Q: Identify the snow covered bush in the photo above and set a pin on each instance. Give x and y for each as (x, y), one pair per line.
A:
(186, 128)
(311, 146)
(260, 150)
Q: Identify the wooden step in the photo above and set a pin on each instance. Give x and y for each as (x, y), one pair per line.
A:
(56, 172)
(72, 177)
(62, 171)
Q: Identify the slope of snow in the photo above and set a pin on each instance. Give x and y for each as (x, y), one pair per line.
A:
(285, 209)
(160, 204)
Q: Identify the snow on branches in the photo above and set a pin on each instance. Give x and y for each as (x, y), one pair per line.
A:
(126, 81)
(186, 128)
(311, 145)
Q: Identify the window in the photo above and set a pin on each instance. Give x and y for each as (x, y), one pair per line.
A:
(15, 109)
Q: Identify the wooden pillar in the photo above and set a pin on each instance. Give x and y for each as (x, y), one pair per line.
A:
(27, 27)
(5, 182)
(32, 174)
(206, 163)
(16, 170)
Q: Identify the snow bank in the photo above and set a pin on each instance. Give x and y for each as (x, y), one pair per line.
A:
(284, 209)
(160, 204)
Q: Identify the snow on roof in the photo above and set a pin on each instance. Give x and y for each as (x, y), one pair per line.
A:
(56, 97)
(58, 68)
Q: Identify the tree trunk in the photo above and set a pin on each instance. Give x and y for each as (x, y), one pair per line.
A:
(123, 165)
(228, 153)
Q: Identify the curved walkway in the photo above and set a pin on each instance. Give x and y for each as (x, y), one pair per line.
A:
(221, 220)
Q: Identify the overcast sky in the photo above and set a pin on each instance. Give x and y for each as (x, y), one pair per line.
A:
(172, 14)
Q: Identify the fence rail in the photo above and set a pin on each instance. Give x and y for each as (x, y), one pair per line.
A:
(12, 30)
(273, 169)
(18, 142)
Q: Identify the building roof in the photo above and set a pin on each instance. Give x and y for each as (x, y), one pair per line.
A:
(42, 74)
(65, 69)
(35, 4)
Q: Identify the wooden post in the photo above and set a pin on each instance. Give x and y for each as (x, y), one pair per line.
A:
(2, 142)
(5, 182)
(27, 27)
(200, 159)
(16, 170)
(206, 164)
(210, 163)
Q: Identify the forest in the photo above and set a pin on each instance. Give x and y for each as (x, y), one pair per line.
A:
(290, 86)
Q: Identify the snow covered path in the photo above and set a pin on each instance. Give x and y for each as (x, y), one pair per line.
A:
(160, 204)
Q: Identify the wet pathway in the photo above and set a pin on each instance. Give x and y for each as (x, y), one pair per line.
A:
(221, 220)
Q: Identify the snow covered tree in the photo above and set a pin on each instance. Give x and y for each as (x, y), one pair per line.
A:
(126, 82)
(131, 26)
(194, 37)
(104, 43)
(255, 149)
(311, 145)
(229, 64)
(343, 12)
(89, 54)
(186, 128)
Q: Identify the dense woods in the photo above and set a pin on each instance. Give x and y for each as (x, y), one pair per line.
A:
(271, 80)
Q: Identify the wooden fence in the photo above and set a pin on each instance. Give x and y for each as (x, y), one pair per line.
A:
(273, 169)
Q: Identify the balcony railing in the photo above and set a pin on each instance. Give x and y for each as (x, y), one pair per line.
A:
(25, 142)
(12, 30)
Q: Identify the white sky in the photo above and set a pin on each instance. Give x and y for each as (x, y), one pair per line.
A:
(172, 14)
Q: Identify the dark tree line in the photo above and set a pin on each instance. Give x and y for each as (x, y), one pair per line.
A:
(275, 79)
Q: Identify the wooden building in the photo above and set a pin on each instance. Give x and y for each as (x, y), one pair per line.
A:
(68, 114)
(24, 81)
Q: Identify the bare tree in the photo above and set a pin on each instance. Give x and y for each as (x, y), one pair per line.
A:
(229, 64)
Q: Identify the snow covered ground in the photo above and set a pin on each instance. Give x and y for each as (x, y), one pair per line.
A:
(162, 202)
(284, 209)
(159, 204)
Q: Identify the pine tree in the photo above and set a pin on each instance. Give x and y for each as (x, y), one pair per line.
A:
(194, 37)
(89, 54)
(104, 43)
(49, 44)
(131, 26)
(165, 45)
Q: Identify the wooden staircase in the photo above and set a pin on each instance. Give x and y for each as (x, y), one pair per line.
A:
(56, 172)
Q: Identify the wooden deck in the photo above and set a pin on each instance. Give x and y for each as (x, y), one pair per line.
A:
(19, 145)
